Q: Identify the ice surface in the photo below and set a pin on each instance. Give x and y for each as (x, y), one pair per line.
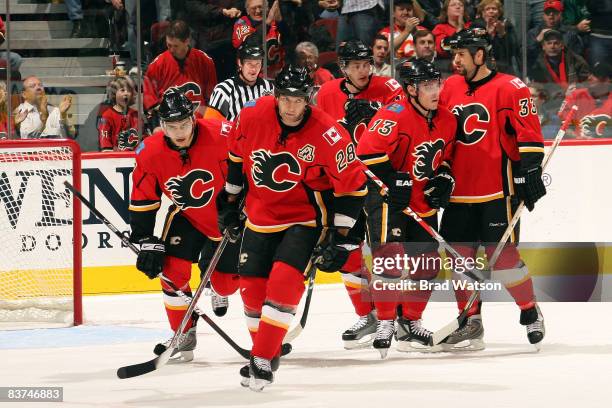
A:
(574, 367)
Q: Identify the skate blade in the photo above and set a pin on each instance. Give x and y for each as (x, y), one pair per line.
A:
(538, 346)
(415, 347)
(465, 345)
(383, 353)
(245, 381)
(258, 384)
(364, 342)
(183, 357)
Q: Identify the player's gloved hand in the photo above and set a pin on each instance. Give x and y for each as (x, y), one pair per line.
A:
(151, 256)
(399, 185)
(439, 188)
(360, 110)
(529, 186)
(228, 215)
(330, 255)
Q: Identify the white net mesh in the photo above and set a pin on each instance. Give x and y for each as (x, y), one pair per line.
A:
(36, 234)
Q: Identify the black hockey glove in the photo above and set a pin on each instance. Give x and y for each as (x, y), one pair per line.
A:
(360, 110)
(439, 188)
(151, 256)
(529, 186)
(332, 254)
(399, 185)
(228, 216)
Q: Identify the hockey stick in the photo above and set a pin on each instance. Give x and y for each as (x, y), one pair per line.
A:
(297, 330)
(441, 334)
(245, 353)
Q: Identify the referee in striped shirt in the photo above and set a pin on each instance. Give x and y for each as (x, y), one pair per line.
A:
(229, 96)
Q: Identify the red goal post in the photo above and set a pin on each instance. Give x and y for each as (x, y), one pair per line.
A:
(40, 233)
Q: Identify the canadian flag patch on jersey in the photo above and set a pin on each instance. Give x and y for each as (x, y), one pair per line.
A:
(393, 85)
(332, 136)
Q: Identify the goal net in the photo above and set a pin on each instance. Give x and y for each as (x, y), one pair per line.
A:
(40, 234)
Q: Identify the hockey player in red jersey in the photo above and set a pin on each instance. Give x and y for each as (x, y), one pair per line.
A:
(408, 146)
(186, 162)
(353, 101)
(118, 125)
(496, 163)
(282, 147)
(181, 67)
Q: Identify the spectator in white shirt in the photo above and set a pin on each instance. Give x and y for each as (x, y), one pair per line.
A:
(36, 118)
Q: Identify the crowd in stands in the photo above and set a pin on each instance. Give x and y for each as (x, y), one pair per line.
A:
(566, 59)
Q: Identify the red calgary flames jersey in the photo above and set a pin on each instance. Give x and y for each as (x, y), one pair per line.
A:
(495, 122)
(117, 131)
(281, 176)
(192, 183)
(399, 133)
(333, 96)
(195, 76)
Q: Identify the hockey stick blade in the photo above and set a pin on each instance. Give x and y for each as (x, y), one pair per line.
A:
(440, 335)
(136, 370)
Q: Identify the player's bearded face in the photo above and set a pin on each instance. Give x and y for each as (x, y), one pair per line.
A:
(359, 72)
(291, 109)
(180, 132)
(464, 63)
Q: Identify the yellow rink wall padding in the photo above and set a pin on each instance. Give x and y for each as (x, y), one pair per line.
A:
(559, 261)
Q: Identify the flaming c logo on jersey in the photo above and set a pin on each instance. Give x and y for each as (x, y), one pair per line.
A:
(596, 125)
(265, 166)
(425, 158)
(193, 190)
(127, 140)
(472, 122)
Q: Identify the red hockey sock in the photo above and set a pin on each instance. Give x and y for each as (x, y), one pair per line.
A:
(414, 303)
(283, 293)
(179, 271)
(224, 284)
(253, 293)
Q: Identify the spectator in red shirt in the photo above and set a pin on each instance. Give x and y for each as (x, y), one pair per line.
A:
(453, 18)
(308, 57)
(118, 125)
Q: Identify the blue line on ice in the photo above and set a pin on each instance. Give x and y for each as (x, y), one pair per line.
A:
(79, 336)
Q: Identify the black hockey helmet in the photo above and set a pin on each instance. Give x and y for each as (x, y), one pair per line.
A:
(354, 50)
(175, 106)
(250, 51)
(293, 81)
(417, 70)
(472, 38)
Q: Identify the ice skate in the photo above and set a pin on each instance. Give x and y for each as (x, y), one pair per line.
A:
(260, 373)
(533, 320)
(245, 376)
(186, 344)
(219, 304)
(361, 334)
(412, 336)
(384, 336)
(466, 338)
